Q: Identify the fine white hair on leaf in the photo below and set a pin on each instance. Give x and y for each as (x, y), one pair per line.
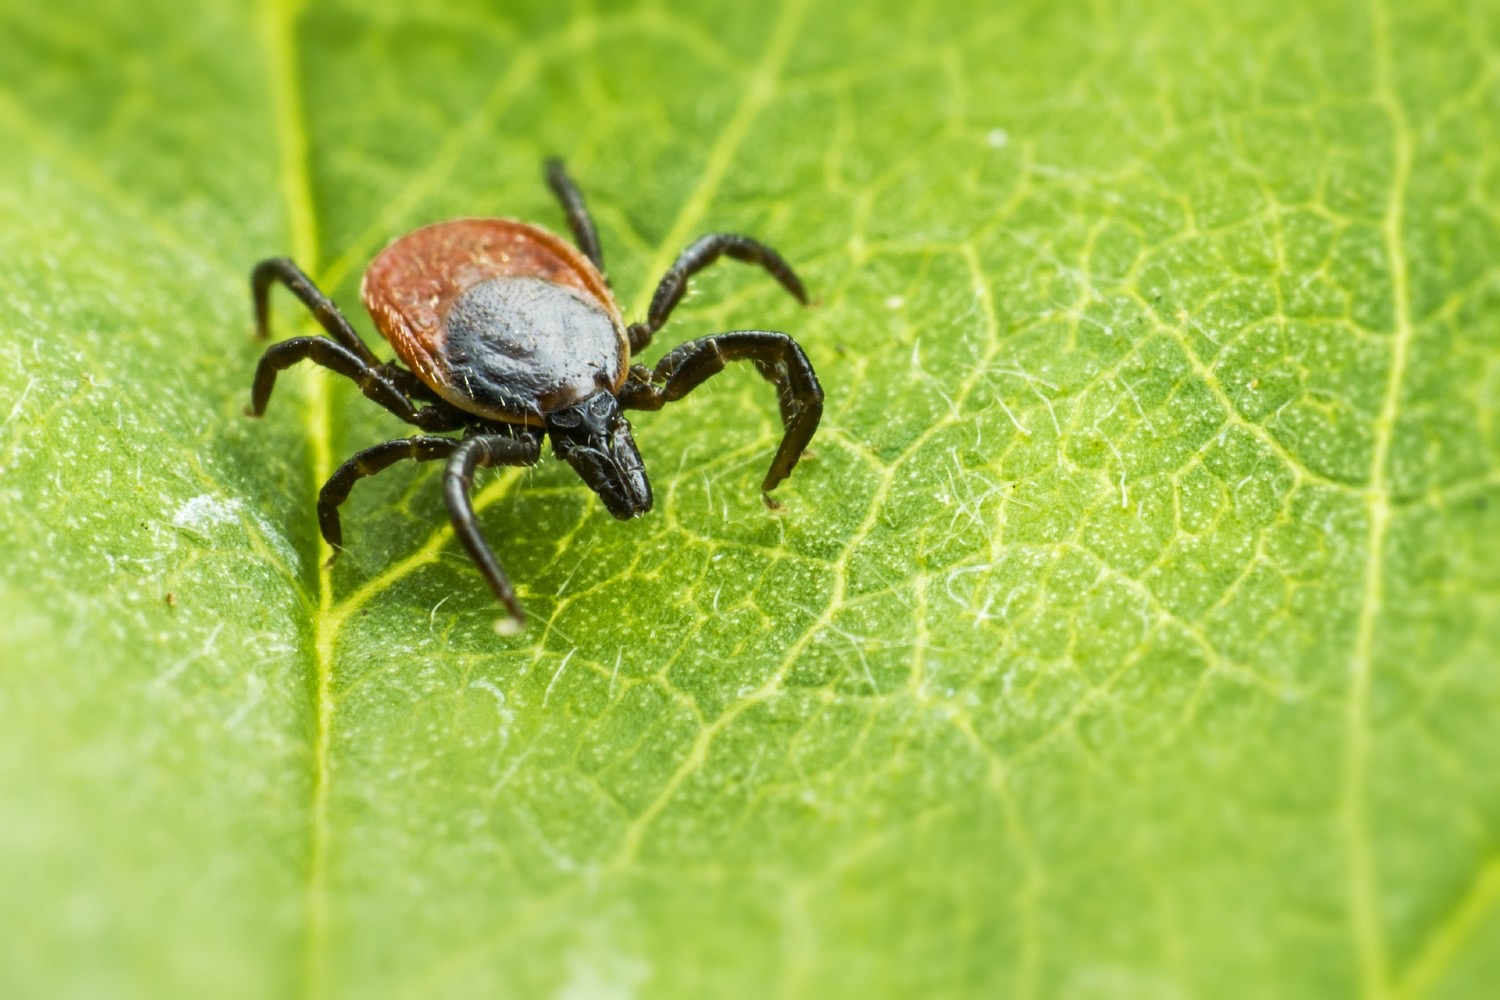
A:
(557, 676)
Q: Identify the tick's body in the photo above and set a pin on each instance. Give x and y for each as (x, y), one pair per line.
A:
(511, 335)
(499, 318)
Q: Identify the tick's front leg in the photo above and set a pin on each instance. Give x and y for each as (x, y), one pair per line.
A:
(776, 356)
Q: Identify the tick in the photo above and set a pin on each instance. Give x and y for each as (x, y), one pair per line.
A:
(507, 334)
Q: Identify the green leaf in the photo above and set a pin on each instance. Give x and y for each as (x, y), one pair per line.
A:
(1134, 631)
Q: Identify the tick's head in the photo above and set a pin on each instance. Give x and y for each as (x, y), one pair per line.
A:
(594, 438)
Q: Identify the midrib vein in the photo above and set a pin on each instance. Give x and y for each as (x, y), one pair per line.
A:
(279, 23)
(1364, 893)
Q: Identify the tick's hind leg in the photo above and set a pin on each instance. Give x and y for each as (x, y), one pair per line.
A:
(579, 220)
(695, 258)
(776, 356)
(367, 463)
(283, 270)
(370, 379)
(473, 453)
(345, 353)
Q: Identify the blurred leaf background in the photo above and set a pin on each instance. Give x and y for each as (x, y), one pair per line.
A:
(1133, 633)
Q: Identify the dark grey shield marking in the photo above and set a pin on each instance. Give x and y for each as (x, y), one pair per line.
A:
(527, 345)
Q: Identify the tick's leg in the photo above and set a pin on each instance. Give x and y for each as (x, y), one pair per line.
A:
(471, 454)
(367, 463)
(329, 354)
(695, 258)
(281, 269)
(578, 213)
(438, 414)
(776, 356)
(411, 387)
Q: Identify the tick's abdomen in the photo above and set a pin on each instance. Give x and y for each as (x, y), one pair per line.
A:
(500, 318)
(529, 346)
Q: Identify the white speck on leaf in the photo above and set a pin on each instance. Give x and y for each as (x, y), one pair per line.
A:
(203, 512)
(600, 971)
(501, 709)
